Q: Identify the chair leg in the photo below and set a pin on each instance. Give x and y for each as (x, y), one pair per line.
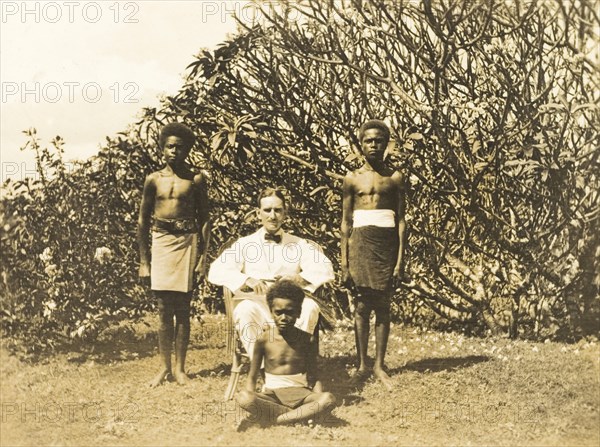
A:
(234, 378)
(232, 386)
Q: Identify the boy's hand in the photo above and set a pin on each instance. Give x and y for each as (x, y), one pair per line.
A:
(318, 387)
(399, 277)
(346, 278)
(200, 269)
(144, 272)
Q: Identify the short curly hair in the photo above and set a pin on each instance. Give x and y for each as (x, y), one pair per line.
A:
(285, 288)
(374, 124)
(177, 130)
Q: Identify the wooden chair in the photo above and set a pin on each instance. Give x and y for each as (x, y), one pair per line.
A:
(234, 346)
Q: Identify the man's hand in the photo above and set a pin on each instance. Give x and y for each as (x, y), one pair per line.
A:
(295, 278)
(258, 286)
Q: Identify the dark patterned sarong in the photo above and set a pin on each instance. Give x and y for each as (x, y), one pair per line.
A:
(372, 256)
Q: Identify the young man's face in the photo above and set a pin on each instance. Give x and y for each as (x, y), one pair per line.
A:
(373, 144)
(271, 213)
(175, 151)
(285, 312)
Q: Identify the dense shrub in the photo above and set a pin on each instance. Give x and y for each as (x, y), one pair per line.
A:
(68, 255)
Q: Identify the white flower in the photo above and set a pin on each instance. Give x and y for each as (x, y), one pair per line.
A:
(46, 255)
(103, 254)
(49, 306)
(51, 270)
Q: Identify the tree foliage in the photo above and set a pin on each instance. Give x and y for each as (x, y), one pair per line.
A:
(494, 110)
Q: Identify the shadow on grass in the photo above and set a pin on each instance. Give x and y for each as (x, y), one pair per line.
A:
(332, 421)
(115, 348)
(125, 343)
(335, 378)
(438, 364)
(220, 370)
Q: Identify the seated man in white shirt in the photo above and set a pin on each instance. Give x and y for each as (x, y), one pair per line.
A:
(250, 265)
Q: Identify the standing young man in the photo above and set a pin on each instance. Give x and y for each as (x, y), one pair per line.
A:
(177, 199)
(373, 233)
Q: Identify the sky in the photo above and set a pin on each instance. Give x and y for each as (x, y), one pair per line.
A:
(85, 69)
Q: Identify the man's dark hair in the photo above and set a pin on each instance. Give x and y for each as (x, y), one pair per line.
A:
(177, 130)
(272, 192)
(285, 288)
(374, 124)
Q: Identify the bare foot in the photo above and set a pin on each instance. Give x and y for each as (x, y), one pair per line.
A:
(181, 378)
(359, 377)
(383, 377)
(159, 378)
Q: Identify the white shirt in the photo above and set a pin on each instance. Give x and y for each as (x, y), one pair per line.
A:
(253, 257)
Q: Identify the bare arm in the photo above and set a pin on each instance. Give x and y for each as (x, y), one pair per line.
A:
(143, 235)
(312, 375)
(401, 222)
(347, 211)
(204, 221)
(257, 359)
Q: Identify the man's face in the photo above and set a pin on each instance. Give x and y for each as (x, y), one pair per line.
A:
(175, 151)
(373, 144)
(271, 213)
(285, 313)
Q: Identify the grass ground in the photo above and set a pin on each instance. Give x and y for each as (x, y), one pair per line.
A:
(449, 390)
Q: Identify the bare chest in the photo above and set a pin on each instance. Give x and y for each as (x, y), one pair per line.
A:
(173, 187)
(280, 353)
(371, 183)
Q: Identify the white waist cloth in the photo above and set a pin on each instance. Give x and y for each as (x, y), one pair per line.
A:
(376, 218)
(274, 381)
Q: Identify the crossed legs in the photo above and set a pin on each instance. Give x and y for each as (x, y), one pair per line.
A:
(266, 411)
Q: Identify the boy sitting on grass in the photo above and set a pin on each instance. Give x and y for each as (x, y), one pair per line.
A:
(292, 391)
